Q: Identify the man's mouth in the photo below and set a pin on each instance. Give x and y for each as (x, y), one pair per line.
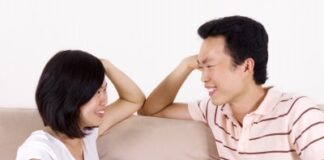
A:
(211, 90)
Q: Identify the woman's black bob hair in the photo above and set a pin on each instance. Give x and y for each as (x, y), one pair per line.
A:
(68, 81)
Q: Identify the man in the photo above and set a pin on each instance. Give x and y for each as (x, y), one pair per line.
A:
(248, 120)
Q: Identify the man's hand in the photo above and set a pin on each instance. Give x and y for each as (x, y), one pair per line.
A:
(191, 62)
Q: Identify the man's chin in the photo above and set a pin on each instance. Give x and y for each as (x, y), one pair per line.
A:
(216, 101)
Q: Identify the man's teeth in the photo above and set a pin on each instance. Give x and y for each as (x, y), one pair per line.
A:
(210, 89)
(101, 112)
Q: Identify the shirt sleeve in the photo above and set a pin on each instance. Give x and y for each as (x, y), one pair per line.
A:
(198, 110)
(93, 134)
(90, 147)
(307, 129)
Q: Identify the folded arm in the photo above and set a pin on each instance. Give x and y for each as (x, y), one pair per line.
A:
(161, 103)
(131, 98)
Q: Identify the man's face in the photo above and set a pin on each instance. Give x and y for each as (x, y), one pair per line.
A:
(224, 81)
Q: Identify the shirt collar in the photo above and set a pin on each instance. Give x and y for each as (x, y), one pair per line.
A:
(267, 105)
(269, 102)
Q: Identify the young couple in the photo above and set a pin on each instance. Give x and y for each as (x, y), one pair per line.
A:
(247, 119)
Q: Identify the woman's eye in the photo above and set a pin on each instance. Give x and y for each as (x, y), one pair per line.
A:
(102, 90)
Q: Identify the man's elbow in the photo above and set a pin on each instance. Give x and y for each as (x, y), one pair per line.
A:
(145, 111)
(141, 99)
(141, 112)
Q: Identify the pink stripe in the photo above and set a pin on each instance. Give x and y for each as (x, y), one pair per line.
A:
(310, 144)
(202, 113)
(312, 125)
(267, 152)
(271, 134)
(280, 116)
(207, 110)
(312, 108)
(286, 133)
(215, 122)
(230, 148)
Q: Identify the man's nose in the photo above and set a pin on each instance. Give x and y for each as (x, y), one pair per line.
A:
(204, 76)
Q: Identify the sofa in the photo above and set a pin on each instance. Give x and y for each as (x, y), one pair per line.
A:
(136, 138)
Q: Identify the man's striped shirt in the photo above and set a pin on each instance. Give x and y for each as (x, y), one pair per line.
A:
(284, 126)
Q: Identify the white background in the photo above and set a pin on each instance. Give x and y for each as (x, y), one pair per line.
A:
(148, 38)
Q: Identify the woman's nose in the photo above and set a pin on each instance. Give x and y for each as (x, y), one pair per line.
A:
(103, 99)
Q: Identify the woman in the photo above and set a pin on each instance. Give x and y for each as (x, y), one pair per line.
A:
(71, 98)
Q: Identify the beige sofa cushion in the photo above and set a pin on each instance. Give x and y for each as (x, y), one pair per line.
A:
(15, 126)
(150, 138)
(138, 137)
(144, 138)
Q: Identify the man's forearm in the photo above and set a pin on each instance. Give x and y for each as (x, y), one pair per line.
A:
(165, 93)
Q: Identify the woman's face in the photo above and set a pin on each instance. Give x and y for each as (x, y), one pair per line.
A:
(92, 113)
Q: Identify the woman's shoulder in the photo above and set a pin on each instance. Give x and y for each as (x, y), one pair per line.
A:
(42, 145)
(37, 145)
(90, 145)
(39, 137)
(91, 138)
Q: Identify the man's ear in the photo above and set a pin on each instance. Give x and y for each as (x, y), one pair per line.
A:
(249, 65)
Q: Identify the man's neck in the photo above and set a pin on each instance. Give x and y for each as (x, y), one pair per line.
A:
(248, 101)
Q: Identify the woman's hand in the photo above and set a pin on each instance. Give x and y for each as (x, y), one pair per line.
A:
(131, 98)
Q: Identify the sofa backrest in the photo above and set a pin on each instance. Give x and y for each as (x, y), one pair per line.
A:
(137, 137)
(16, 125)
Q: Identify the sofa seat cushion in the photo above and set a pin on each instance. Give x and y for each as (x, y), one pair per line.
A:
(141, 137)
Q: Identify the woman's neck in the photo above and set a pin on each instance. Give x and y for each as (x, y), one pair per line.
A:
(74, 145)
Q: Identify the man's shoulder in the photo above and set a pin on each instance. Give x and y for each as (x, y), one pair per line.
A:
(289, 104)
(296, 99)
(321, 106)
(296, 106)
(289, 99)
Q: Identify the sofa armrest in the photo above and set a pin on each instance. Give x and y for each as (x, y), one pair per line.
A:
(146, 138)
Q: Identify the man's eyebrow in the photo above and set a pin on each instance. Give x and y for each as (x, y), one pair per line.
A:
(203, 62)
